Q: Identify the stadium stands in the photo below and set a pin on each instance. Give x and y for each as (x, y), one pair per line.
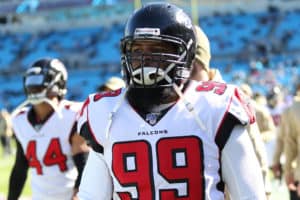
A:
(245, 46)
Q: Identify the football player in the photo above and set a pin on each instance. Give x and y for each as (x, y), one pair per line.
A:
(290, 132)
(46, 136)
(165, 137)
(201, 70)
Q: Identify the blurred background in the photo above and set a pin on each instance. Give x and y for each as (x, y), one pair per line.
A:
(252, 41)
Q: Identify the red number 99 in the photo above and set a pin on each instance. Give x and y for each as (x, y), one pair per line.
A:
(179, 160)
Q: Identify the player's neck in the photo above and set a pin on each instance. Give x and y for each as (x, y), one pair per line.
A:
(202, 75)
(43, 111)
(145, 99)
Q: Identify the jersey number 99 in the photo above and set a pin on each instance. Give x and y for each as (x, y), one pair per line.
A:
(179, 160)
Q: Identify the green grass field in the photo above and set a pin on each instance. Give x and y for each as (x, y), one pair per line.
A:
(6, 164)
(279, 191)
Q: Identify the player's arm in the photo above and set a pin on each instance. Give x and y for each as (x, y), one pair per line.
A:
(84, 130)
(267, 126)
(18, 174)
(240, 167)
(261, 154)
(96, 183)
(84, 139)
(290, 149)
(279, 148)
(80, 153)
(259, 148)
(89, 138)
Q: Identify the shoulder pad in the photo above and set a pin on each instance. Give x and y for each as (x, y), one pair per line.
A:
(100, 95)
(71, 105)
(21, 111)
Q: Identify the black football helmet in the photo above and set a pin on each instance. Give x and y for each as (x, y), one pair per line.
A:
(46, 77)
(163, 24)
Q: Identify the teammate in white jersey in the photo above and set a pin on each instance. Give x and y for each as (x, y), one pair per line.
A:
(46, 136)
(165, 137)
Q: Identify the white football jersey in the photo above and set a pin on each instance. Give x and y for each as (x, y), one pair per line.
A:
(48, 152)
(175, 157)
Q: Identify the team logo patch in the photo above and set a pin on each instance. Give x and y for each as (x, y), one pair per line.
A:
(151, 118)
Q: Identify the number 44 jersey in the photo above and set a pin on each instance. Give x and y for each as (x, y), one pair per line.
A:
(48, 151)
(174, 158)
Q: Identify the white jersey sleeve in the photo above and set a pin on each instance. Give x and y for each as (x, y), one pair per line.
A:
(102, 179)
(243, 180)
(95, 113)
(240, 107)
(220, 107)
(82, 115)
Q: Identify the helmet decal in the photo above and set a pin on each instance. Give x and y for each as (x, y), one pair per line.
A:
(144, 31)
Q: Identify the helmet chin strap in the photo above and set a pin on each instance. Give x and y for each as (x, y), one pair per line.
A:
(178, 90)
(188, 105)
(112, 114)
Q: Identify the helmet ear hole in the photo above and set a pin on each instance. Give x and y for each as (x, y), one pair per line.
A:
(53, 91)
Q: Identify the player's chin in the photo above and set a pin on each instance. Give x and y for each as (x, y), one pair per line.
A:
(152, 96)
